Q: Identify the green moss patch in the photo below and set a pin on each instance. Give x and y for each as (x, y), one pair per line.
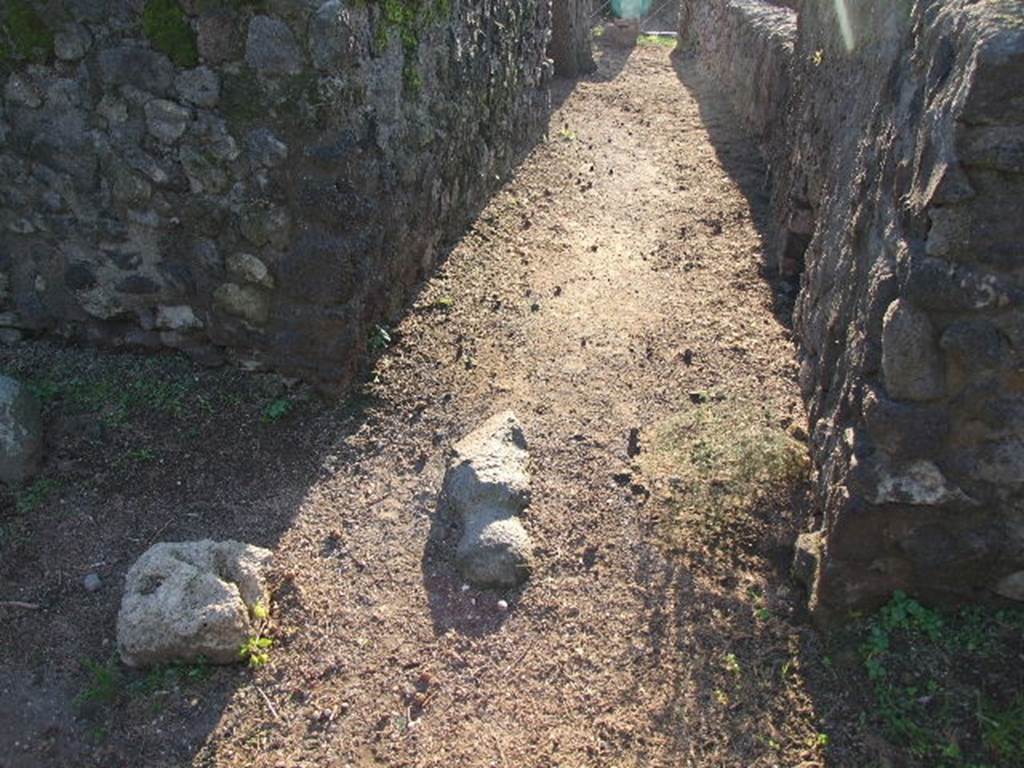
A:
(24, 34)
(167, 27)
(409, 18)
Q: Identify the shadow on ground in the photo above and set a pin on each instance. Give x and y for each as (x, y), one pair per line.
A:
(740, 157)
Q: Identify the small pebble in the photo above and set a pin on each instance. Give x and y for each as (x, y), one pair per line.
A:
(91, 582)
(502, 605)
(465, 587)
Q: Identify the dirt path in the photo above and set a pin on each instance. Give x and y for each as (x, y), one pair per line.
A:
(612, 285)
(577, 305)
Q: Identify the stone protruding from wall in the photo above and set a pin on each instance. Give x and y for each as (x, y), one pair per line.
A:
(570, 47)
(262, 182)
(897, 181)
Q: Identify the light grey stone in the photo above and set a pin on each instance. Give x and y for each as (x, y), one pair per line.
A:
(72, 42)
(488, 485)
(92, 582)
(919, 483)
(270, 47)
(1011, 586)
(21, 432)
(22, 91)
(911, 361)
(489, 467)
(245, 301)
(188, 601)
(246, 268)
(494, 550)
(332, 40)
(265, 148)
(177, 318)
(166, 120)
(199, 86)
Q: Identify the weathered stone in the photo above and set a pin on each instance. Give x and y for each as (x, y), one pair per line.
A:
(218, 36)
(265, 148)
(488, 485)
(203, 172)
(177, 318)
(975, 344)
(246, 268)
(129, 188)
(136, 66)
(244, 301)
(270, 47)
(333, 43)
(72, 42)
(806, 556)
(166, 120)
(21, 432)
(191, 601)
(261, 224)
(22, 91)
(199, 86)
(906, 430)
(494, 550)
(1011, 586)
(919, 483)
(910, 356)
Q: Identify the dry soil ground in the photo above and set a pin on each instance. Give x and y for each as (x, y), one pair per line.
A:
(611, 295)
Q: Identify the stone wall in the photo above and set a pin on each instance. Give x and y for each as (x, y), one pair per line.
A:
(898, 177)
(263, 181)
(746, 45)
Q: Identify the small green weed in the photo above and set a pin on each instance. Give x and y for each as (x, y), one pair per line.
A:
(663, 41)
(29, 498)
(166, 676)
(380, 338)
(104, 686)
(256, 650)
(567, 134)
(277, 410)
(940, 686)
(444, 303)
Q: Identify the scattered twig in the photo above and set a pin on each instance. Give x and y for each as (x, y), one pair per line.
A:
(19, 604)
(270, 704)
(501, 752)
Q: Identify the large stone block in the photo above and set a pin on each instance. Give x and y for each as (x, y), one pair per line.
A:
(192, 601)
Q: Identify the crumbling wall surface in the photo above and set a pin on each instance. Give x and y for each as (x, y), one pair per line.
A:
(746, 46)
(907, 152)
(258, 181)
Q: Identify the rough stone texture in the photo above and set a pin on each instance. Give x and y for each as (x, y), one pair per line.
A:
(335, 148)
(897, 180)
(488, 485)
(570, 50)
(185, 601)
(747, 46)
(21, 432)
